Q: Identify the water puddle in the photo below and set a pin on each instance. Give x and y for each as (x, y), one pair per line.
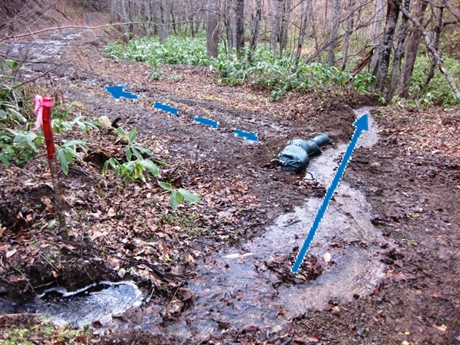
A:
(96, 302)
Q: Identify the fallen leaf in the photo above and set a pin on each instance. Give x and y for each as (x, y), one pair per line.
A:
(111, 213)
(10, 253)
(441, 328)
(238, 256)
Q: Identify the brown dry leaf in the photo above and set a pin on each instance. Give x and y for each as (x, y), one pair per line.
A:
(189, 258)
(16, 279)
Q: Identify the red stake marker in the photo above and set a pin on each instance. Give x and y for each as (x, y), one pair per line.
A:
(43, 109)
(47, 131)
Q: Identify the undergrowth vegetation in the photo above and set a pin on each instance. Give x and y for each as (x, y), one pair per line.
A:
(262, 71)
(19, 143)
(258, 68)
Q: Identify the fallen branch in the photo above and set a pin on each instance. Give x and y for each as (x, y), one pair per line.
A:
(65, 28)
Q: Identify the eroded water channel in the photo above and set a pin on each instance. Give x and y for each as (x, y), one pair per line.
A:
(237, 288)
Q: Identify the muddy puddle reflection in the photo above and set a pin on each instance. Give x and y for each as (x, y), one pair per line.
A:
(237, 288)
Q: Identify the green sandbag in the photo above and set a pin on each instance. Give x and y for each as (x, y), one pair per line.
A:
(322, 139)
(309, 146)
(293, 158)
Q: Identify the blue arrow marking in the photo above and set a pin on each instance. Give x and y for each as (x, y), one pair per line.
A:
(246, 135)
(118, 92)
(206, 122)
(166, 108)
(361, 124)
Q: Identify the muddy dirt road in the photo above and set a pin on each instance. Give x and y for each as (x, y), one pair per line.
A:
(384, 268)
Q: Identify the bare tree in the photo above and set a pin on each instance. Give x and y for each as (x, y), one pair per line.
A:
(276, 23)
(334, 31)
(305, 18)
(348, 31)
(213, 28)
(164, 19)
(255, 26)
(229, 19)
(381, 69)
(437, 36)
(239, 25)
(396, 69)
(412, 48)
(285, 22)
(434, 52)
(452, 9)
(377, 29)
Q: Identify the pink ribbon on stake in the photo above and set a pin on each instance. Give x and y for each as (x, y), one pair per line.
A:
(38, 108)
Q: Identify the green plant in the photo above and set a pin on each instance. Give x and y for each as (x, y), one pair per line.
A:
(136, 165)
(155, 74)
(174, 78)
(438, 90)
(61, 124)
(178, 195)
(133, 170)
(68, 152)
(259, 68)
(17, 146)
(131, 147)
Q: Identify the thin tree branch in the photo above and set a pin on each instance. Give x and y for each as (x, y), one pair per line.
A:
(437, 58)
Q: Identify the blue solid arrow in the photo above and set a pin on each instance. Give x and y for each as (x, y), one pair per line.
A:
(361, 124)
(206, 122)
(118, 92)
(166, 108)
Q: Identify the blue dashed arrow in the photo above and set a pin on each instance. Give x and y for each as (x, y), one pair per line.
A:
(206, 122)
(118, 92)
(246, 135)
(166, 108)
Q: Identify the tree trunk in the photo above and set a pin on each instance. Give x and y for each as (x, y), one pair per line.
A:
(396, 69)
(130, 18)
(164, 20)
(213, 28)
(305, 19)
(239, 25)
(376, 30)
(437, 35)
(286, 17)
(230, 24)
(274, 37)
(334, 30)
(411, 49)
(434, 52)
(387, 43)
(255, 28)
(348, 31)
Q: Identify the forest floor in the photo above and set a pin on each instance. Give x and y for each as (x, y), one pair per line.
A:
(118, 231)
